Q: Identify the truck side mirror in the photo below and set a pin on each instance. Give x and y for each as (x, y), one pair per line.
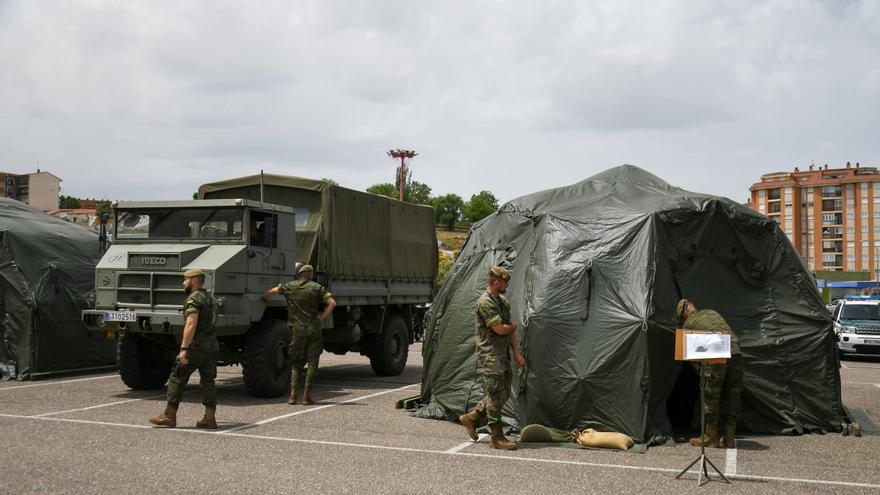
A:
(103, 242)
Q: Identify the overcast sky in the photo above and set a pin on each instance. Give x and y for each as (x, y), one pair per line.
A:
(150, 99)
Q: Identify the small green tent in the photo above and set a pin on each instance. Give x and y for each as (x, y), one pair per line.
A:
(47, 271)
(597, 268)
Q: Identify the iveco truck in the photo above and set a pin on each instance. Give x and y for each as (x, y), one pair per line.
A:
(376, 255)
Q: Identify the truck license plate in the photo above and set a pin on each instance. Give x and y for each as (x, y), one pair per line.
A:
(120, 316)
(871, 341)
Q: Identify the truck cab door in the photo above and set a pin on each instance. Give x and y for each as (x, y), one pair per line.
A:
(263, 257)
(271, 244)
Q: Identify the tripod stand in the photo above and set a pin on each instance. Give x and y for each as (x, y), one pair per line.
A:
(702, 459)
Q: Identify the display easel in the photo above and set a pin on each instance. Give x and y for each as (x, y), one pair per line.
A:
(682, 354)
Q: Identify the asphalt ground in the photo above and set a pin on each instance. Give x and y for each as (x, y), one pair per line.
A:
(89, 434)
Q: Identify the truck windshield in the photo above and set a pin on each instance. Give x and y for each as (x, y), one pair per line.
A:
(860, 312)
(179, 223)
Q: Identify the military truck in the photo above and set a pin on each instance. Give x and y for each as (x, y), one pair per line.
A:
(376, 255)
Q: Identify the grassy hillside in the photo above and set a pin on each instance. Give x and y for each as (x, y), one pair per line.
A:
(451, 240)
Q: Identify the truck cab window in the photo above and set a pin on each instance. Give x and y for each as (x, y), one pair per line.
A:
(263, 232)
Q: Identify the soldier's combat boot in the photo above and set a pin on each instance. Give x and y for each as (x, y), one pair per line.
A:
(307, 398)
(470, 420)
(168, 418)
(292, 399)
(729, 437)
(710, 438)
(209, 422)
(498, 441)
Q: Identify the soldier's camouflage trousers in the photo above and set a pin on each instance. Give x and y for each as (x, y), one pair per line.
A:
(722, 387)
(306, 346)
(497, 392)
(206, 363)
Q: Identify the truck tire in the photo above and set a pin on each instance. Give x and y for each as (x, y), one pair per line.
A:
(266, 365)
(143, 364)
(390, 349)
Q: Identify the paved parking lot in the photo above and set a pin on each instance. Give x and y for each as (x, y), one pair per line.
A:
(89, 434)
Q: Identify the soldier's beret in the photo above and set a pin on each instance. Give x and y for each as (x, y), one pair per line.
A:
(193, 272)
(500, 272)
(680, 307)
(305, 268)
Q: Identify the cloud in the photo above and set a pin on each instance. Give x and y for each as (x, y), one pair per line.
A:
(146, 99)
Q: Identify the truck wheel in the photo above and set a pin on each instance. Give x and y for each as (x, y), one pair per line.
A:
(143, 365)
(266, 366)
(388, 357)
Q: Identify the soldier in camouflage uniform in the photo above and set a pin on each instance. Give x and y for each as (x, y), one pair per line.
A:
(494, 335)
(722, 382)
(198, 351)
(304, 299)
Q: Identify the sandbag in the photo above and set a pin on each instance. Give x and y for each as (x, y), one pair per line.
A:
(544, 434)
(603, 439)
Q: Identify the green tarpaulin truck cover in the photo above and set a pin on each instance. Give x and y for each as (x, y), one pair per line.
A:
(47, 272)
(597, 268)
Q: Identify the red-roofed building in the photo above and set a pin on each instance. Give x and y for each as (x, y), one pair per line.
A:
(831, 215)
(87, 217)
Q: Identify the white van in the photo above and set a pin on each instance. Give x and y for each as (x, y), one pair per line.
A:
(857, 325)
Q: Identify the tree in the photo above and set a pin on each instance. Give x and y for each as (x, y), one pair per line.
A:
(103, 207)
(69, 202)
(448, 209)
(384, 189)
(331, 181)
(418, 193)
(480, 206)
(415, 192)
(445, 261)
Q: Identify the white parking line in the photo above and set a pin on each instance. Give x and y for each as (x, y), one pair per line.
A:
(54, 413)
(499, 457)
(464, 445)
(730, 465)
(312, 409)
(44, 384)
(108, 404)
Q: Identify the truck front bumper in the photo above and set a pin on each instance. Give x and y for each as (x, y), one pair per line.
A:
(857, 343)
(146, 321)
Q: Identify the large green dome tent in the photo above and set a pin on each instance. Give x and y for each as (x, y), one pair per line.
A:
(597, 268)
(47, 271)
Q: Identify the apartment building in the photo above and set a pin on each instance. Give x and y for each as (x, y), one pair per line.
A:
(38, 189)
(831, 215)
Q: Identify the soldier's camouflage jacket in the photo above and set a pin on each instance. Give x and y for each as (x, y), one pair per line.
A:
(492, 349)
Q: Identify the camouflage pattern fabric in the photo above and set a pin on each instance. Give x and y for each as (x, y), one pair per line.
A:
(709, 320)
(202, 303)
(493, 350)
(493, 354)
(497, 384)
(722, 383)
(722, 389)
(304, 299)
(206, 363)
(201, 354)
(306, 346)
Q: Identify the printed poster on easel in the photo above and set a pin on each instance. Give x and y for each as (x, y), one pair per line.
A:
(698, 345)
